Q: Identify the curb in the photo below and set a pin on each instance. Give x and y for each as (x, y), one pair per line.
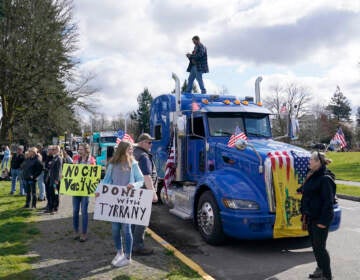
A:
(348, 197)
(190, 263)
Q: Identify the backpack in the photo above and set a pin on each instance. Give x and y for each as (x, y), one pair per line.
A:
(331, 176)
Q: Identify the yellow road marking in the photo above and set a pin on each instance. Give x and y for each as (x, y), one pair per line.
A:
(189, 262)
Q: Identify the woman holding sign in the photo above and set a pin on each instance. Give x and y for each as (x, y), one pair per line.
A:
(83, 157)
(123, 170)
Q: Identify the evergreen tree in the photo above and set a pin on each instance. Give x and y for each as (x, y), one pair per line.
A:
(339, 106)
(37, 40)
(142, 115)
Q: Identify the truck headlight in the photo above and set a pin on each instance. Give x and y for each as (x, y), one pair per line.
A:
(240, 204)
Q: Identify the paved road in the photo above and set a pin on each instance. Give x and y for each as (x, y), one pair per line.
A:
(282, 259)
(349, 183)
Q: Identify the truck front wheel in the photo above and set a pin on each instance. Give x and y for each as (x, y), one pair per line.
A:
(208, 219)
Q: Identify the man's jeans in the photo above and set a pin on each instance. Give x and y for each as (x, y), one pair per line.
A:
(138, 232)
(128, 238)
(41, 186)
(195, 74)
(16, 175)
(84, 201)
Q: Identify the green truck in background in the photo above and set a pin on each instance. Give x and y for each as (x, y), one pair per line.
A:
(102, 147)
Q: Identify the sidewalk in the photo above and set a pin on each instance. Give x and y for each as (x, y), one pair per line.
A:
(348, 183)
(61, 257)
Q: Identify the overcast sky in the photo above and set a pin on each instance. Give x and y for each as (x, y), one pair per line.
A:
(130, 45)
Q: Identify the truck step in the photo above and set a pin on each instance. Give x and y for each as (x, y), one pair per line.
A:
(180, 214)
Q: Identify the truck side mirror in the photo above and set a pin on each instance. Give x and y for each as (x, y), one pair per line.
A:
(181, 125)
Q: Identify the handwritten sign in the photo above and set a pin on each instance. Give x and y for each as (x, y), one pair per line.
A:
(123, 205)
(80, 179)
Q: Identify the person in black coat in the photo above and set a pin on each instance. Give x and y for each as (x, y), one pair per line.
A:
(53, 180)
(32, 168)
(318, 193)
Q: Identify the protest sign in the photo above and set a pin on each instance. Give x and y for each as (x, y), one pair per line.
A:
(80, 179)
(123, 205)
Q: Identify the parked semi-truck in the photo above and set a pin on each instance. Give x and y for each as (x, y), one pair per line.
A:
(102, 147)
(245, 191)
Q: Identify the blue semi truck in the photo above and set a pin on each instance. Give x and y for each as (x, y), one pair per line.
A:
(247, 190)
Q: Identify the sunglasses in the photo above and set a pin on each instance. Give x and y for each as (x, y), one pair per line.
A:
(149, 142)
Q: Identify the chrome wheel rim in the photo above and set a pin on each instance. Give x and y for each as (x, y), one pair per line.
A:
(206, 218)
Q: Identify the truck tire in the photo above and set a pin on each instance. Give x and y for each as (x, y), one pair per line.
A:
(208, 219)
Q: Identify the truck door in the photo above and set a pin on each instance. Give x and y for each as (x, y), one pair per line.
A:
(196, 148)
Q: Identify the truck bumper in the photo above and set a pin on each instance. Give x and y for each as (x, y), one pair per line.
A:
(253, 226)
(248, 226)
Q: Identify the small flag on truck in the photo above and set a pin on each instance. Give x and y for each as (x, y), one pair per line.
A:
(238, 135)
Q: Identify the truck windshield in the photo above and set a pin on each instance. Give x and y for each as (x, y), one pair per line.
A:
(257, 125)
(108, 139)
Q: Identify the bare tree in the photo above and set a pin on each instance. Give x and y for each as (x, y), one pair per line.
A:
(291, 98)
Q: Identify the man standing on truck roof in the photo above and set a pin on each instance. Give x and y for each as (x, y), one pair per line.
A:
(197, 65)
(144, 157)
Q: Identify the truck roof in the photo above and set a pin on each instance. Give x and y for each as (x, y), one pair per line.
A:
(214, 103)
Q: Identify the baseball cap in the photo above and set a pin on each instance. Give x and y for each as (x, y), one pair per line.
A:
(144, 136)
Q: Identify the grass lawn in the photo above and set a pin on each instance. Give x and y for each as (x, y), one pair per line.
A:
(16, 230)
(346, 166)
(348, 190)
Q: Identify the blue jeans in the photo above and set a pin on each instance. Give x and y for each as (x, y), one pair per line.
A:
(195, 74)
(4, 163)
(41, 186)
(122, 230)
(16, 175)
(84, 201)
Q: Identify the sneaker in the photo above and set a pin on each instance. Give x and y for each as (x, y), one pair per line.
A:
(122, 262)
(316, 274)
(118, 257)
(11, 193)
(143, 251)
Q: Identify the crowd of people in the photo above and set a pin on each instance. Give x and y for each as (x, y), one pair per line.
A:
(38, 171)
(133, 166)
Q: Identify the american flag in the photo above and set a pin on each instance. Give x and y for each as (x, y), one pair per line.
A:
(195, 106)
(238, 135)
(301, 163)
(340, 138)
(170, 168)
(298, 160)
(126, 137)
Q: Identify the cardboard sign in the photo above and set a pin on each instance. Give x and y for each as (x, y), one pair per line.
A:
(123, 205)
(79, 179)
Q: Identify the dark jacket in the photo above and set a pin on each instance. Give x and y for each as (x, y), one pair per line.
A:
(55, 169)
(199, 58)
(146, 164)
(17, 160)
(318, 197)
(32, 168)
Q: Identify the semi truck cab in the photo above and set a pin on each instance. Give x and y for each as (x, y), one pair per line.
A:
(247, 190)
